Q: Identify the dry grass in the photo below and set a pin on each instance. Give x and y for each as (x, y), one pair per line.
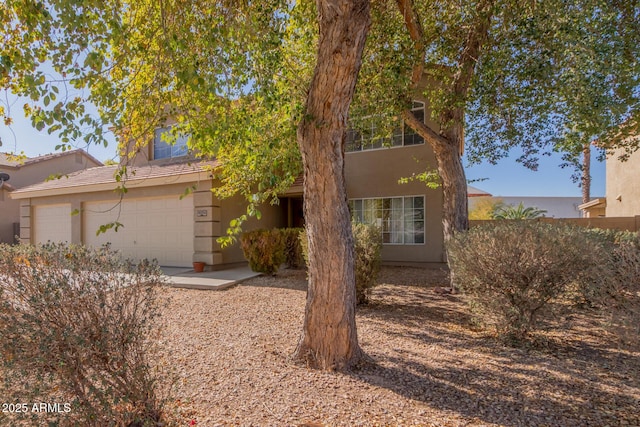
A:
(231, 352)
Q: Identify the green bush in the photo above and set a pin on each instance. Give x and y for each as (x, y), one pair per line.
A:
(264, 249)
(292, 247)
(510, 271)
(367, 247)
(75, 325)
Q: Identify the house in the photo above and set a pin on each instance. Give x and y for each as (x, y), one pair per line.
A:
(23, 172)
(622, 185)
(159, 221)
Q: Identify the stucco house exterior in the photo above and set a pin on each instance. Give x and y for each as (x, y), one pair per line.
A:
(622, 185)
(27, 171)
(160, 221)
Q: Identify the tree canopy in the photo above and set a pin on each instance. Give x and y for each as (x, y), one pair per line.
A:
(539, 75)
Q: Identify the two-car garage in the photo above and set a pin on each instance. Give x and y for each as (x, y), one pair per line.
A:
(167, 212)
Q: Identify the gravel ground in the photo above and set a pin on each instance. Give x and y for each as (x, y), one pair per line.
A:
(231, 354)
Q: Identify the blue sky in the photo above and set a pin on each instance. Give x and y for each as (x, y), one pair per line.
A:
(507, 178)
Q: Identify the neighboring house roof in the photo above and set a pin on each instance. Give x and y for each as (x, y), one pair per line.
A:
(103, 178)
(595, 203)
(8, 160)
(476, 192)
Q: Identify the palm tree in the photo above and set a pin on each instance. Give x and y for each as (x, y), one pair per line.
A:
(518, 212)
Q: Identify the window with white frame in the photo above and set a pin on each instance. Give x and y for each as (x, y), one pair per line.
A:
(163, 149)
(368, 138)
(401, 219)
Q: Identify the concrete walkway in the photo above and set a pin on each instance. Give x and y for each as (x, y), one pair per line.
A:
(209, 280)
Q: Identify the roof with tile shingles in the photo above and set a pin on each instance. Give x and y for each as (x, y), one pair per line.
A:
(14, 161)
(106, 175)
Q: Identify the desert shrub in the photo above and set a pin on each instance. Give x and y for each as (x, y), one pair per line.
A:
(367, 247)
(509, 271)
(292, 247)
(622, 299)
(75, 328)
(603, 289)
(264, 249)
(613, 237)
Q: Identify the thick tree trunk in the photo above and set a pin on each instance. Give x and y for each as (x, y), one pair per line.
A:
(455, 212)
(329, 338)
(586, 173)
(447, 145)
(455, 215)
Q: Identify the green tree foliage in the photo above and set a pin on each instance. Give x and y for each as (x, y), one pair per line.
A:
(245, 81)
(540, 75)
(214, 69)
(518, 212)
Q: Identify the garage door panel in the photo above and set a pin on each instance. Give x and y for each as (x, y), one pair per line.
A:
(52, 223)
(160, 228)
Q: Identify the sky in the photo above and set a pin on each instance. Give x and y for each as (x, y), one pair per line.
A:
(507, 178)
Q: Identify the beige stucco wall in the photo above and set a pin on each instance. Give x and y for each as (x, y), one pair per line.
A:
(32, 173)
(236, 206)
(375, 174)
(623, 185)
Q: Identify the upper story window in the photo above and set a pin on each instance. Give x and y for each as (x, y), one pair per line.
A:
(403, 135)
(162, 149)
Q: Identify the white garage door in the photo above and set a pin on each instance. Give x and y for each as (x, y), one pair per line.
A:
(160, 228)
(52, 223)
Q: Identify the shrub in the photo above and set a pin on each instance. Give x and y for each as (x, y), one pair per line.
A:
(75, 325)
(509, 271)
(367, 247)
(368, 244)
(292, 247)
(264, 249)
(622, 301)
(602, 290)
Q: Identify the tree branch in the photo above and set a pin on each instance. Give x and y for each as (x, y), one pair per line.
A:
(412, 21)
(436, 140)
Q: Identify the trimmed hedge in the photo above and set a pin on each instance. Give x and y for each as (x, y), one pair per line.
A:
(264, 249)
(292, 247)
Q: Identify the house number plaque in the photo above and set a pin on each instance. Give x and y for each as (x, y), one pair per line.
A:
(201, 212)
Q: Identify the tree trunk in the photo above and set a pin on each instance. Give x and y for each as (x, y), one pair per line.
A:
(585, 182)
(329, 338)
(446, 147)
(455, 214)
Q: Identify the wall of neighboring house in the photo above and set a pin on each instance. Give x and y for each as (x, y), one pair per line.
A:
(9, 215)
(623, 185)
(32, 173)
